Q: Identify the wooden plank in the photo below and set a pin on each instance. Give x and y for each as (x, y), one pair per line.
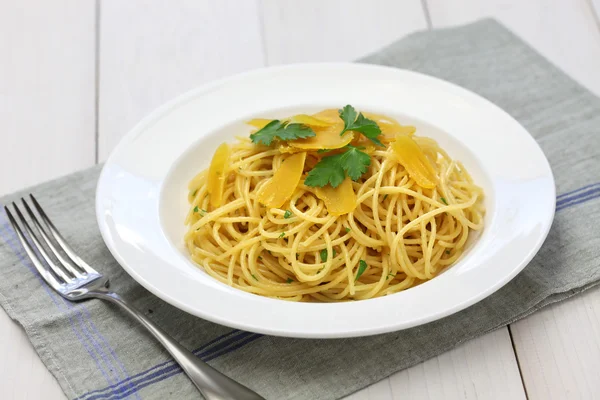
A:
(559, 349)
(47, 125)
(484, 368)
(47, 95)
(565, 32)
(596, 10)
(152, 52)
(340, 37)
(22, 373)
(335, 30)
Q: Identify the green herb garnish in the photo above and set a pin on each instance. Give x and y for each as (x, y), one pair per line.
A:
(254, 276)
(196, 209)
(333, 169)
(280, 130)
(447, 251)
(357, 122)
(194, 192)
(287, 214)
(323, 254)
(444, 200)
(289, 280)
(282, 235)
(260, 257)
(347, 230)
(385, 197)
(388, 275)
(362, 266)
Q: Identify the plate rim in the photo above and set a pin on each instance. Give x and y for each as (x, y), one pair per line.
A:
(183, 98)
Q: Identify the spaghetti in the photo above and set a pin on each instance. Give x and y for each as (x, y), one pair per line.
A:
(397, 235)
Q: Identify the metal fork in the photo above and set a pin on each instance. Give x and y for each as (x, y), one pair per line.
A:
(75, 280)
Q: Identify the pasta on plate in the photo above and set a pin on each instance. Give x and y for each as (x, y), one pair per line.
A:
(335, 206)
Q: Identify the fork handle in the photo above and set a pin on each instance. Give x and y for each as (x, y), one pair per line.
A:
(211, 383)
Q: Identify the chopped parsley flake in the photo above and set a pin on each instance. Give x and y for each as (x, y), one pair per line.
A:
(289, 280)
(444, 200)
(362, 266)
(347, 230)
(254, 276)
(282, 235)
(323, 254)
(287, 214)
(196, 209)
(447, 251)
(260, 257)
(385, 197)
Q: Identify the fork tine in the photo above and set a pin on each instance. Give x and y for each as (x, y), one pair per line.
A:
(43, 270)
(64, 262)
(60, 240)
(55, 268)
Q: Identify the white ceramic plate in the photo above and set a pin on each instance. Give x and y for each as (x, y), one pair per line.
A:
(141, 197)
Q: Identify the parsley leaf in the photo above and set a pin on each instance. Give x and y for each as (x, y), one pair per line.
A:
(357, 122)
(347, 230)
(354, 162)
(295, 131)
(267, 133)
(385, 197)
(332, 169)
(447, 251)
(444, 200)
(287, 214)
(278, 129)
(254, 276)
(362, 266)
(327, 171)
(196, 209)
(289, 280)
(348, 114)
(282, 235)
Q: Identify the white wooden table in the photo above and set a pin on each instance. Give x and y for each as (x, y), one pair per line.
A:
(75, 75)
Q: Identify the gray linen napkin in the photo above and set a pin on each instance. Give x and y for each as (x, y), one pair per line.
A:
(96, 352)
